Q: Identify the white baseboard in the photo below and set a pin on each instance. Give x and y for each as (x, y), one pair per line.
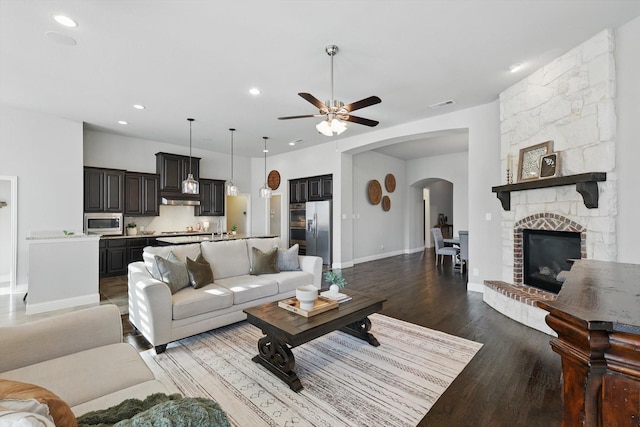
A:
(342, 264)
(414, 250)
(475, 287)
(377, 256)
(62, 303)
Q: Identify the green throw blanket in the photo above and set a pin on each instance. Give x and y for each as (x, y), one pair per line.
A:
(158, 410)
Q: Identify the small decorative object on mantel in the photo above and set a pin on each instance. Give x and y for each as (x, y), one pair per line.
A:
(390, 183)
(550, 166)
(375, 192)
(509, 169)
(529, 161)
(386, 203)
(274, 179)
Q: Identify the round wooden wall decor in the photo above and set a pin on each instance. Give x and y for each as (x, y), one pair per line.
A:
(274, 179)
(375, 191)
(386, 203)
(390, 182)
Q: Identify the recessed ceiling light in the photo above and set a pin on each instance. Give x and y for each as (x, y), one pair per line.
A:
(139, 107)
(65, 21)
(255, 91)
(122, 122)
(516, 67)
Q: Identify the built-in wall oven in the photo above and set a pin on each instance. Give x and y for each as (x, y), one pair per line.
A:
(103, 223)
(297, 226)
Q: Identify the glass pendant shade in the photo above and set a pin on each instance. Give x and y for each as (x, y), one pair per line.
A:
(190, 185)
(265, 191)
(230, 187)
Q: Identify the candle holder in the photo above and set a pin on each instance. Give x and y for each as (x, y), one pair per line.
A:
(509, 176)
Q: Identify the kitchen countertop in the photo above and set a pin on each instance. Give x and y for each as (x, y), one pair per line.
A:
(208, 238)
(158, 235)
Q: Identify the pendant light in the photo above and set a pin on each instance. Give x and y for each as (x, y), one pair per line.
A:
(265, 191)
(190, 185)
(230, 187)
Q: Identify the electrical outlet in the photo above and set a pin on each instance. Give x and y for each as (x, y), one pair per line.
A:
(381, 246)
(475, 272)
(487, 217)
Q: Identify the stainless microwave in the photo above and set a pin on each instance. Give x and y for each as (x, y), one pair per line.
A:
(103, 223)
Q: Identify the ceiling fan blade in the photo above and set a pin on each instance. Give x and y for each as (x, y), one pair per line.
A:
(372, 100)
(361, 121)
(312, 99)
(300, 117)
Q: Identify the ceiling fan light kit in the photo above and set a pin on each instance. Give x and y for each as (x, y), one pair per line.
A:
(335, 112)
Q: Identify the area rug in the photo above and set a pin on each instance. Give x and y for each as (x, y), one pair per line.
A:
(346, 381)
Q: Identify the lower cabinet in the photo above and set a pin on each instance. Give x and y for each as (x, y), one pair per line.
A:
(116, 254)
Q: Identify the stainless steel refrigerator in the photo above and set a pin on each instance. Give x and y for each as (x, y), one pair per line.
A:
(318, 230)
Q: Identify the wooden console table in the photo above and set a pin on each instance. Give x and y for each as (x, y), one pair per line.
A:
(597, 318)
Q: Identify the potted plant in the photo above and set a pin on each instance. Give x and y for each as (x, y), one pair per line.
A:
(132, 229)
(234, 229)
(336, 279)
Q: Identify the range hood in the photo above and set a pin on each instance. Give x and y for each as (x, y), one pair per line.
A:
(172, 199)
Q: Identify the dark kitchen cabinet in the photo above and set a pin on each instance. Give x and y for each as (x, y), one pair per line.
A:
(173, 169)
(212, 198)
(116, 257)
(135, 247)
(298, 190)
(320, 188)
(142, 194)
(103, 190)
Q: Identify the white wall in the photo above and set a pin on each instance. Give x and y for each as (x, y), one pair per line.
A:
(377, 233)
(628, 148)
(5, 232)
(45, 153)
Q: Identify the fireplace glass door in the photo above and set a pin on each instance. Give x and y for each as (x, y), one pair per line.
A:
(545, 255)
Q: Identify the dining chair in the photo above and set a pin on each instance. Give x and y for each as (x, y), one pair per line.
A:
(441, 249)
(464, 249)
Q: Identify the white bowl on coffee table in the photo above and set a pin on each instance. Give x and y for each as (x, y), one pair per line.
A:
(307, 295)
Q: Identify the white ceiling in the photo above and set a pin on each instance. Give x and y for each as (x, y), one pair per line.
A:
(198, 58)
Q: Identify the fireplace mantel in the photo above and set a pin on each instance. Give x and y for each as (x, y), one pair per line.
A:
(586, 185)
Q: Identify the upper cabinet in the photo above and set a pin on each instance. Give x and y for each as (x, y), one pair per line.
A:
(320, 188)
(298, 190)
(142, 194)
(173, 169)
(212, 198)
(103, 190)
(311, 189)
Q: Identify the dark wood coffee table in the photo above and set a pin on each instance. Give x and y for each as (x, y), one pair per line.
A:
(284, 330)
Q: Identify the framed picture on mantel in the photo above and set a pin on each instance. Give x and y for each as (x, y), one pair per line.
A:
(550, 166)
(529, 161)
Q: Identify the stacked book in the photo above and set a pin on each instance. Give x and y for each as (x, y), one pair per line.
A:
(336, 296)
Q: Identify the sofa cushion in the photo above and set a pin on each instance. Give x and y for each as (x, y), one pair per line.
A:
(248, 288)
(264, 262)
(192, 250)
(172, 272)
(57, 408)
(87, 375)
(199, 272)
(191, 302)
(288, 258)
(264, 244)
(227, 258)
(290, 280)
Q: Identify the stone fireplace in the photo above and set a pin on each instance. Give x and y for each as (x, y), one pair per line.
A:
(571, 102)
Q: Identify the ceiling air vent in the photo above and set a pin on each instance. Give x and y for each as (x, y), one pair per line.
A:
(442, 104)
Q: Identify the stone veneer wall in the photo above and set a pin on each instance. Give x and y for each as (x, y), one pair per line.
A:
(570, 101)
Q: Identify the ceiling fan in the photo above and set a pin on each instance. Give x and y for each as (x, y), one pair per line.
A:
(335, 113)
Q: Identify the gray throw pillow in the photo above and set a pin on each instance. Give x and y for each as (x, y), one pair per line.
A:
(264, 262)
(288, 258)
(173, 272)
(200, 273)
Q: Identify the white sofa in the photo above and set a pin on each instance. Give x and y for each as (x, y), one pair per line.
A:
(80, 357)
(162, 317)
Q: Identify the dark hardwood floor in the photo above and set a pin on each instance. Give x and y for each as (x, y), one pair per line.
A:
(514, 380)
